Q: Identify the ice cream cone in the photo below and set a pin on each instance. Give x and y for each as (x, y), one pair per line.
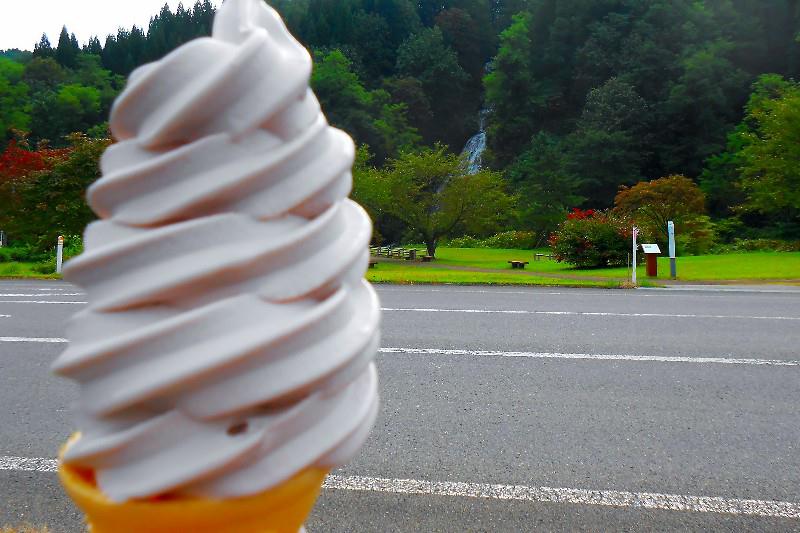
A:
(278, 510)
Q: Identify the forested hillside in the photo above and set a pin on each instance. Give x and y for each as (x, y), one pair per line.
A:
(580, 96)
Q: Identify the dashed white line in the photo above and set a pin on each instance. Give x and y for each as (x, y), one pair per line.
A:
(598, 357)
(580, 313)
(21, 295)
(33, 339)
(608, 498)
(5, 316)
(40, 301)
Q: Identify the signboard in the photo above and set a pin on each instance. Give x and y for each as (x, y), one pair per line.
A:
(651, 249)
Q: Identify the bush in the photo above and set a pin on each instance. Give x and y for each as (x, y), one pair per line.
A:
(758, 245)
(590, 239)
(507, 239)
(28, 253)
(22, 253)
(45, 267)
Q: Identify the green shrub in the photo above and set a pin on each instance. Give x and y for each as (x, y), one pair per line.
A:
(20, 253)
(45, 267)
(757, 245)
(507, 239)
(590, 239)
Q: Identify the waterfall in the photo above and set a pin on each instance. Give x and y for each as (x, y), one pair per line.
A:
(476, 144)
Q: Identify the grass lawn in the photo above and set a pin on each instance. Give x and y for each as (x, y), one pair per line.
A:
(23, 270)
(753, 266)
(409, 273)
(729, 267)
(726, 267)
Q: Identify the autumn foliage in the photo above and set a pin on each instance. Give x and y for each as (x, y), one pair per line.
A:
(42, 191)
(651, 204)
(18, 162)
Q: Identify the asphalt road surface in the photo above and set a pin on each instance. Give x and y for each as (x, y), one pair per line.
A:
(506, 410)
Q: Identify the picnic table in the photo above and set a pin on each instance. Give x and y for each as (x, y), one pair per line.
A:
(518, 264)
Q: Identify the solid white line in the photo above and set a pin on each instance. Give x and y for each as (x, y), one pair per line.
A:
(38, 302)
(33, 339)
(530, 355)
(609, 498)
(599, 357)
(481, 291)
(789, 289)
(581, 313)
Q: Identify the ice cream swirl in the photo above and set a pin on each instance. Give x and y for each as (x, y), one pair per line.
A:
(229, 336)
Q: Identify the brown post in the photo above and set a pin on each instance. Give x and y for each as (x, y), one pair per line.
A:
(652, 265)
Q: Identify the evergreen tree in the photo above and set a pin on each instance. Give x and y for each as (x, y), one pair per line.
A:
(67, 50)
(93, 47)
(43, 47)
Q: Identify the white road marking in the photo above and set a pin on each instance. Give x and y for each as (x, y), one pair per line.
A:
(609, 498)
(599, 292)
(786, 289)
(530, 355)
(22, 295)
(33, 339)
(28, 464)
(39, 301)
(581, 313)
(599, 357)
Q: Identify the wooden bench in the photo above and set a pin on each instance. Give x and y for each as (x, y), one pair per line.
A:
(518, 264)
(372, 263)
(427, 258)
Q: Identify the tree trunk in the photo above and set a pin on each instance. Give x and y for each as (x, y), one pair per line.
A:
(431, 246)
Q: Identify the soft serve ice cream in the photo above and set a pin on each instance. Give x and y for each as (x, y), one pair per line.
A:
(229, 336)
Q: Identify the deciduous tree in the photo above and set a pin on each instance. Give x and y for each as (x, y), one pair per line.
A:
(652, 204)
(434, 195)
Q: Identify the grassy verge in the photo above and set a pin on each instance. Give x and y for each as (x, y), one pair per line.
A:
(418, 273)
(24, 270)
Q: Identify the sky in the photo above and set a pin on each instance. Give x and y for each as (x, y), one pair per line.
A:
(22, 22)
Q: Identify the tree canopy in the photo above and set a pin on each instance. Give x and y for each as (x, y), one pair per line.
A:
(576, 98)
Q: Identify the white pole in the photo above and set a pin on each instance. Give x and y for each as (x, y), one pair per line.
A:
(59, 254)
(633, 263)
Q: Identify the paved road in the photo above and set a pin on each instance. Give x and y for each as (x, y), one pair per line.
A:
(603, 409)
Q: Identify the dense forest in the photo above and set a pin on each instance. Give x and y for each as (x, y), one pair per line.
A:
(576, 98)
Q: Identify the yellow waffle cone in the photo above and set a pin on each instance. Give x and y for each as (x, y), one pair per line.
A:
(278, 510)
